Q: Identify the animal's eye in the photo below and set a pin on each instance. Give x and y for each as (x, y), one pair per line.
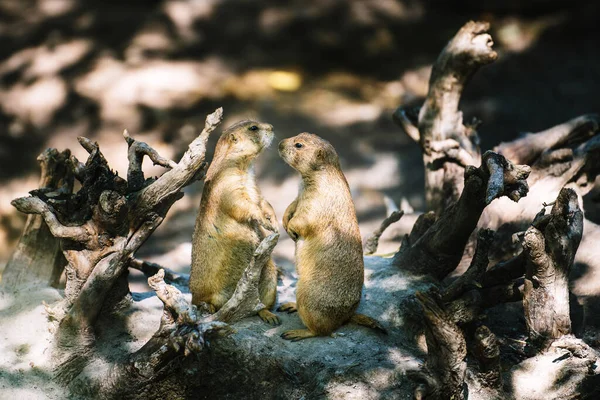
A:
(298, 145)
(253, 128)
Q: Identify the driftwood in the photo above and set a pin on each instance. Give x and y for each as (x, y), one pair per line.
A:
(487, 353)
(439, 249)
(563, 155)
(550, 245)
(444, 374)
(99, 229)
(448, 145)
(459, 208)
(372, 241)
(38, 257)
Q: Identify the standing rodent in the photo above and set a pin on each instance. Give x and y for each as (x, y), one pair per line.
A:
(329, 257)
(232, 220)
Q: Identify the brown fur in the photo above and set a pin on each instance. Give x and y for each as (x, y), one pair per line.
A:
(232, 220)
(322, 221)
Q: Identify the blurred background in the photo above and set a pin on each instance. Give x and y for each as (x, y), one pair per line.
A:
(337, 68)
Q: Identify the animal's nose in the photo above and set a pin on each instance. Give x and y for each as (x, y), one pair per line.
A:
(268, 127)
(281, 145)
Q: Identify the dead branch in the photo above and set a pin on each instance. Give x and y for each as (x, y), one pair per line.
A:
(372, 241)
(444, 374)
(184, 330)
(438, 251)
(440, 121)
(136, 152)
(504, 272)
(149, 269)
(181, 175)
(550, 245)
(181, 331)
(102, 225)
(38, 257)
(528, 148)
(408, 119)
(474, 274)
(487, 354)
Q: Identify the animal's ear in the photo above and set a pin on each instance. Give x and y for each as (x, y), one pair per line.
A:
(321, 154)
(233, 137)
(319, 159)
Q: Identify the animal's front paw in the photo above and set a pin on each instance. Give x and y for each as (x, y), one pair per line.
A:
(269, 317)
(289, 307)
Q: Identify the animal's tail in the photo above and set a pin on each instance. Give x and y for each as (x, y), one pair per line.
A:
(364, 320)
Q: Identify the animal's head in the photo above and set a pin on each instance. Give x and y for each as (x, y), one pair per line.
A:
(307, 152)
(245, 139)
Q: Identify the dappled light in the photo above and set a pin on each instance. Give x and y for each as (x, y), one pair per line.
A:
(335, 68)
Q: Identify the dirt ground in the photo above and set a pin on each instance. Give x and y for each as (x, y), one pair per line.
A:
(337, 68)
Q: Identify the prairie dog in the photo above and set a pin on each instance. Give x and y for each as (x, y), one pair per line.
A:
(232, 220)
(329, 257)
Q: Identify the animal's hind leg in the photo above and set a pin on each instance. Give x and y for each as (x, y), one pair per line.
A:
(267, 288)
(365, 320)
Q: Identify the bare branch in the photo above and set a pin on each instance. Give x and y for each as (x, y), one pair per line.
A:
(89, 145)
(33, 205)
(372, 241)
(136, 152)
(528, 148)
(474, 274)
(446, 350)
(408, 120)
(439, 249)
(440, 118)
(245, 300)
(505, 272)
(550, 249)
(149, 269)
(173, 300)
(38, 257)
(487, 353)
(171, 182)
(77, 167)
(182, 331)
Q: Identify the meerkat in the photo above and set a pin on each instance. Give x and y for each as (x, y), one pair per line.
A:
(329, 257)
(232, 220)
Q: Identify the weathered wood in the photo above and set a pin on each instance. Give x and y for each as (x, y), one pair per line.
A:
(474, 274)
(186, 171)
(38, 257)
(101, 226)
(528, 148)
(550, 245)
(438, 251)
(487, 354)
(184, 329)
(444, 373)
(448, 145)
(135, 154)
(245, 300)
(372, 241)
(150, 269)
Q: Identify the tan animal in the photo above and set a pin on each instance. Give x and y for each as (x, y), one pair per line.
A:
(329, 257)
(232, 220)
